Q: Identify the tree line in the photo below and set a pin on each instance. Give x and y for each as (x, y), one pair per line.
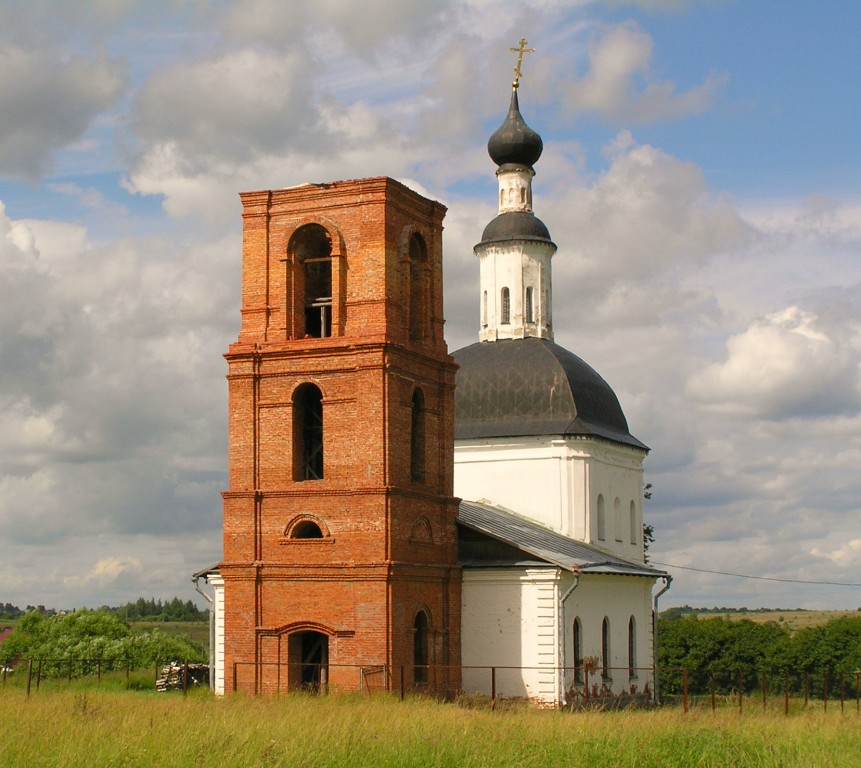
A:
(139, 610)
(721, 649)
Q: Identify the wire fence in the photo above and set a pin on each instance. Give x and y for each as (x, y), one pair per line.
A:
(560, 687)
(33, 674)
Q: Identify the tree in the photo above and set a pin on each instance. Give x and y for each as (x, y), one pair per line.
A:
(648, 529)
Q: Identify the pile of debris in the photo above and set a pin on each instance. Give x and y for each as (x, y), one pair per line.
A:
(177, 676)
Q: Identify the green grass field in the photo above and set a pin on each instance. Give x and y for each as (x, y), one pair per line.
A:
(108, 728)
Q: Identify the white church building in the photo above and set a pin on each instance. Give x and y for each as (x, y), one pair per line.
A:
(555, 585)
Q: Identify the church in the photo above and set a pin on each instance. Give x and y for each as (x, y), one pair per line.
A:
(399, 517)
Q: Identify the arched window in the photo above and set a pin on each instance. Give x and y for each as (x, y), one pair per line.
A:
(601, 522)
(632, 647)
(417, 438)
(308, 433)
(523, 194)
(306, 529)
(312, 251)
(418, 288)
(578, 651)
(632, 523)
(605, 648)
(617, 519)
(420, 649)
(528, 308)
(506, 307)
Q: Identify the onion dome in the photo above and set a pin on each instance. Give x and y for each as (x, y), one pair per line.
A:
(514, 142)
(532, 387)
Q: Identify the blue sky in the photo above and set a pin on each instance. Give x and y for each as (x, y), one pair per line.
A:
(700, 177)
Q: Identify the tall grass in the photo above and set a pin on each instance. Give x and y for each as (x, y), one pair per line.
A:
(110, 728)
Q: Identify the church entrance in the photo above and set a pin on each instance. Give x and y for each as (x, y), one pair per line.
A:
(308, 657)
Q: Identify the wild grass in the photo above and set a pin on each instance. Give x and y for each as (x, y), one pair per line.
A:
(110, 728)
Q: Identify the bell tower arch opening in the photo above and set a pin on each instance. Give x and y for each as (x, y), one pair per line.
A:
(311, 247)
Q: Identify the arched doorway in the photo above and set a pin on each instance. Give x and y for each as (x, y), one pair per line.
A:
(308, 657)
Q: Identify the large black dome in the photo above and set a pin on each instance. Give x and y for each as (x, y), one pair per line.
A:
(514, 141)
(531, 386)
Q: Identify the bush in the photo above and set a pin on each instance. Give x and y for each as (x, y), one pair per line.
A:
(90, 639)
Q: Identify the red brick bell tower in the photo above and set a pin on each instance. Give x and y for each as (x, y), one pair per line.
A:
(340, 548)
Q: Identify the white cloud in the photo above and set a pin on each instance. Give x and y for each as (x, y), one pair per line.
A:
(847, 553)
(106, 570)
(72, 91)
(619, 60)
(784, 364)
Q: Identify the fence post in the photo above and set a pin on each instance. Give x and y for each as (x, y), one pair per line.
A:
(493, 683)
(858, 691)
(402, 682)
(825, 691)
(786, 695)
(841, 692)
(685, 688)
(806, 688)
(29, 674)
(185, 678)
(764, 690)
(712, 688)
(586, 687)
(740, 691)
(234, 676)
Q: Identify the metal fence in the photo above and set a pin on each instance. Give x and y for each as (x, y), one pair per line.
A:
(30, 674)
(570, 688)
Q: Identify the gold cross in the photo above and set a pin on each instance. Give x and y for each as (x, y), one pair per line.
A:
(519, 51)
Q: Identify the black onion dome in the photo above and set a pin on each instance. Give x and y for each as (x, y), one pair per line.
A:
(514, 142)
(515, 225)
(530, 387)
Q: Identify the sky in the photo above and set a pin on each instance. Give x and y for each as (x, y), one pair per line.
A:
(701, 177)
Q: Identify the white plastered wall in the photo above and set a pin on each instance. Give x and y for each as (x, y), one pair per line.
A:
(515, 266)
(556, 482)
(514, 621)
(511, 621)
(617, 598)
(217, 608)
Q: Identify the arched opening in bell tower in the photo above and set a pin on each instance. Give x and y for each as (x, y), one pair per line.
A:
(312, 252)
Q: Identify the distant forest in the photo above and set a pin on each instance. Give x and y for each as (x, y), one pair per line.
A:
(140, 610)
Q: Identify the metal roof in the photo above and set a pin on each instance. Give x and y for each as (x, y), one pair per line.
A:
(546, 545)
(531, 386)
(516, 225)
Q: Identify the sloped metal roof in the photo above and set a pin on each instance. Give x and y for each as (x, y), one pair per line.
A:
(531, 386)
(544, 544)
